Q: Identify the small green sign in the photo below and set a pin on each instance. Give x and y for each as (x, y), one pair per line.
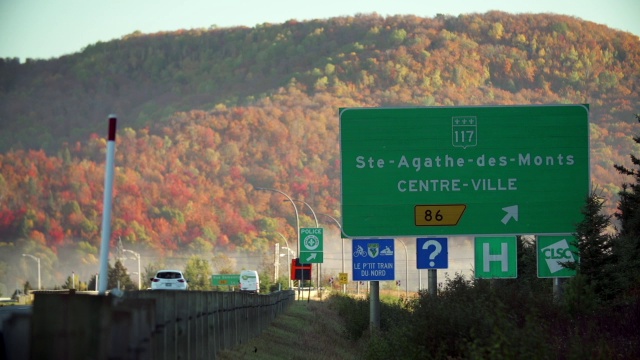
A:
(225, 280)
(311, 245)
(552, 252)
(496, 257)
(505, 170)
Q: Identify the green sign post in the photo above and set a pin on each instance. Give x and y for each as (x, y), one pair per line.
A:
(552, 252)
(487, 170)
(496, 257)
(225, 280)
(311, 244)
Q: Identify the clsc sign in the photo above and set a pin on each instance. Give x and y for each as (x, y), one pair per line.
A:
(552, 252)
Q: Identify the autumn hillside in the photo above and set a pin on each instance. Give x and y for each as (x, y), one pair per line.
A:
(208, 115)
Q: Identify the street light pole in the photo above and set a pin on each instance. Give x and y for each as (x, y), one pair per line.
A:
(137, 257)
(37, 259)
(295, 208)
(317, 226)
(310, 208)
(406, 269)
(289, 251)
(276, 263)
(344, 286)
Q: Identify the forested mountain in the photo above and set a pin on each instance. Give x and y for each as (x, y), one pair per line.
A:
(205, 116)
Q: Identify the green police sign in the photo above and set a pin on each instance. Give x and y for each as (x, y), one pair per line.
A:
(311, 244)
(553, 252)
(484, 170)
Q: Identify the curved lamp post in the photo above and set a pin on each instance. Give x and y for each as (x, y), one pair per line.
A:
(137, 255)
(310, 208)
(295, 208)
(289, 251)
(344, 286)
(317, 226)
(37, 259)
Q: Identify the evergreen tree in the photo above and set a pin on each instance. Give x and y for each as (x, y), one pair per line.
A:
(26, 287)
(69, 283)
(627, 243)
(92, 284)
(629, 203)
(119, 277)
(594, 248)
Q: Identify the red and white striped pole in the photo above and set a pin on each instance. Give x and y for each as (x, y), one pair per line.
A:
(106, 207)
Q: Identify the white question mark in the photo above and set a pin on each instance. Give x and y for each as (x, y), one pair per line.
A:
(435, 252)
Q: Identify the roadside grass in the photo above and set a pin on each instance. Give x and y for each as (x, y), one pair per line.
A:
(465, 321)
(307, 330)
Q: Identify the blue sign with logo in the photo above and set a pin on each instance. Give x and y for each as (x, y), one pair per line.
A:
(373, 260)
(432, 253)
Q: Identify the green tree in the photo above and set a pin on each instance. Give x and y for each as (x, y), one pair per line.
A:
(26, 288)
(200, 246)
(594, 247)
(223, 264)
(528, 280)
(92, 284)
(266, 282)
(397, 36)
(119, 277)
(626, 246)
(629, 203)
(69, 283)
(198, 272)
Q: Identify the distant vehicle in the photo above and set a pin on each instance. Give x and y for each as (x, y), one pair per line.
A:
(169, 280)
(249, 281)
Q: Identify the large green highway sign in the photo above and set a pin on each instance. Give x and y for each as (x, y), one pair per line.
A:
(486, 170)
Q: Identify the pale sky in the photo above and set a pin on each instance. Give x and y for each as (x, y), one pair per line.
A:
(43, 29)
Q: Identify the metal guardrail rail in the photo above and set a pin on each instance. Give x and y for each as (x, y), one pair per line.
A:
(164, 325)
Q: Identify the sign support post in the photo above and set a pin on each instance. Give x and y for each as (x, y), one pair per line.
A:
(432, 281)
(374, 306)
(373, 260)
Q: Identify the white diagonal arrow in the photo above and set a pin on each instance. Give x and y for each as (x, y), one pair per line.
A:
(311, 257)
(512, 212)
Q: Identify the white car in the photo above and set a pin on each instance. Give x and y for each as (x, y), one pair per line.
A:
(169, 280)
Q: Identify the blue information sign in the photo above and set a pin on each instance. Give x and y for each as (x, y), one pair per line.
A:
(432, 253)
(373, 259)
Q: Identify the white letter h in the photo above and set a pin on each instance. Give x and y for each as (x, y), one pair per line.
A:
(502, 257)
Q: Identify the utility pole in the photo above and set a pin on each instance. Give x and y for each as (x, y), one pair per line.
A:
(37, 259)
(276, 263)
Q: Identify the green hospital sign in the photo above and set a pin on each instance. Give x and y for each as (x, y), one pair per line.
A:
(496, 257)
(485, 170)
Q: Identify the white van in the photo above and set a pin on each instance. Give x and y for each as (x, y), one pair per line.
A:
(249, 281)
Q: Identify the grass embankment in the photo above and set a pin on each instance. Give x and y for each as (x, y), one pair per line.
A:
(307, 330)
